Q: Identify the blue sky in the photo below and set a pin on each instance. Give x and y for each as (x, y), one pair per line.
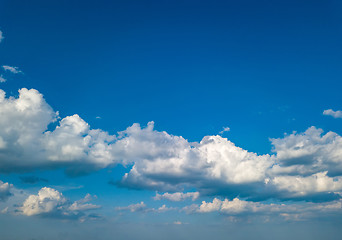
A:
(182, 119)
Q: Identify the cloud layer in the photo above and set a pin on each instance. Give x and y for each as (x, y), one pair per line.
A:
(303, 166)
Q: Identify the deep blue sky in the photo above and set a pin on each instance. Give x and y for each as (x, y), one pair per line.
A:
(190, 66)
(261, 68)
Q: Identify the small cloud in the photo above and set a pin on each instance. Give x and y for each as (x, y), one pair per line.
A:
(138, 207)
(14, 70)
(177, 196)
(32, 179)
(225, 129)
(98, 117)
(334, 114)
(177, 223)
(5, 210)
(51, 203)
(5, 190)
(1, 36)
(2, 79)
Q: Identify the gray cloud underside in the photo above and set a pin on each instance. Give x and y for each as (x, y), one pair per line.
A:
(303, 166)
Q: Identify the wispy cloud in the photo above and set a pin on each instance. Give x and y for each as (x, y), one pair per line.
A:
(2, 79)
(225, 129)
(138, 207)
(1, 36)
(177, 196)
(335, 114)
(142, 207)
(14, 70)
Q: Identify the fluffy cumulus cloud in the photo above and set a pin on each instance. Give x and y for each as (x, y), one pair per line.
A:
(177, 196)
(26, 143)
(50, 202)
(304, 166)
(1, 36)
(11, 69)
(5, 190)
(335, 114)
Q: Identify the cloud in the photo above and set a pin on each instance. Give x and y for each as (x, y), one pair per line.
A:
(225, 129)
(47, 200)
(32, 179)
(177, 196)
(5, 190)
(26, 143)
(14, 70)
(33, 136)
(291, 211)
(83, 205)
(335, 114)
(51, 203)
(141, 207)
(2, 79)
(308, 153)
(138, 207)
(1, 36)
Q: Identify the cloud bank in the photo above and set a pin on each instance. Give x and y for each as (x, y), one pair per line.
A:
(303, 166)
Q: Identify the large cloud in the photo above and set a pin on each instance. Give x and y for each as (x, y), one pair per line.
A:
(25, 142)
(304, 165)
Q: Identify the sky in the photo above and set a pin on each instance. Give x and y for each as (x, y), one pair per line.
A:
(170, 119)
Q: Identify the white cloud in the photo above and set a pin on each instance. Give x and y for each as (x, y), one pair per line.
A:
(335, 114)
(50, 202)
(177, 196)
(210, 206)
(308, 153)
(1, 36)
(141, 207)
(302, 186)
(311, 161)
(138, 207)
(83, 205)
(225, 129)
(166, 162)
(290, 211)
(26, 143)
(14, 70)
(2, 79)
(5, 190)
